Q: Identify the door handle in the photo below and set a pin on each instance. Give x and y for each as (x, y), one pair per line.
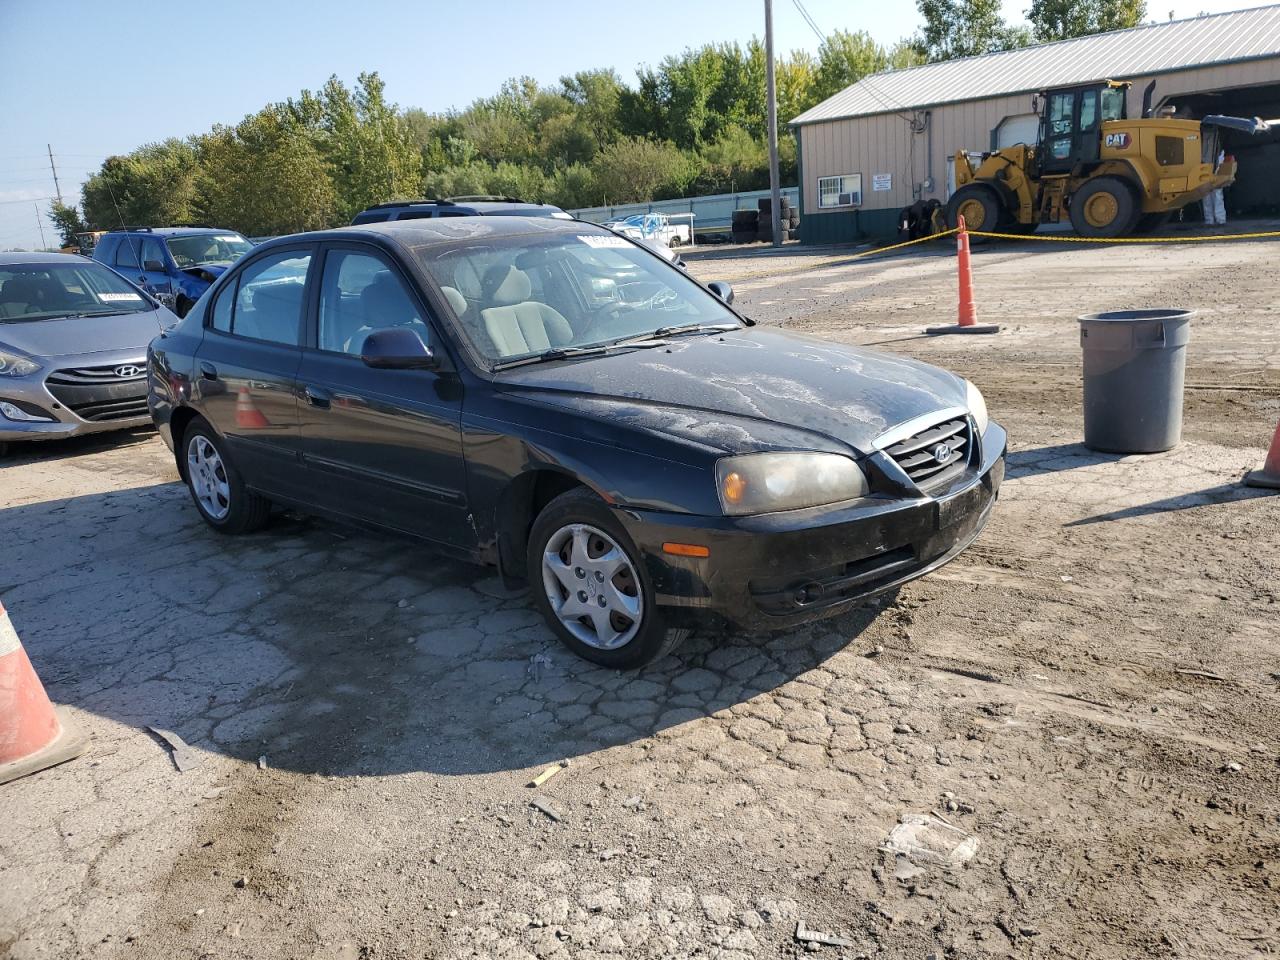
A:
(208, 371)
(318, 398)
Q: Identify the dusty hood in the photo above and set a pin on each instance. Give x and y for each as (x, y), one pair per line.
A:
(754, 389)
(60, 338)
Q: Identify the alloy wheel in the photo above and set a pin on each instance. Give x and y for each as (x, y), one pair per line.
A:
(208, 476)
(592, 586)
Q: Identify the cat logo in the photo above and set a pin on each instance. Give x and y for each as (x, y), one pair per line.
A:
(1118, 140)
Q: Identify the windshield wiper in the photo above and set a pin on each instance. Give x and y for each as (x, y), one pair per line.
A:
(571, 353)
(694, 328)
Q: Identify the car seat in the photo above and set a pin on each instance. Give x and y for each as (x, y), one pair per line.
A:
(516, 324)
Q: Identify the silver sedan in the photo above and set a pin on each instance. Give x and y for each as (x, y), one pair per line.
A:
(73, 347)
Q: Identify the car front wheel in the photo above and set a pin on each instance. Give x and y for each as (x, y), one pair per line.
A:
(590, 583)
(217, 488)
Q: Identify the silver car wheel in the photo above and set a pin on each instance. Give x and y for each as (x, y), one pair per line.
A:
(592, 586)
(208, 477)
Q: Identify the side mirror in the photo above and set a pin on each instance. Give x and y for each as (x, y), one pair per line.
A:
(153, 266)
(721, 290)
(397, 348)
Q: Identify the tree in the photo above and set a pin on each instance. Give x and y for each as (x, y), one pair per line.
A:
(1062, 19)
(736, 161)
(68, 222)
(153, 185)
(844, 58)
(965, 28)
(632, 170)
(368, 146)
(267, 176)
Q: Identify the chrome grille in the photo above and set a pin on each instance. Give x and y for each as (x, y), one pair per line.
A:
(916, 455)
(98, 394)
(88, 376)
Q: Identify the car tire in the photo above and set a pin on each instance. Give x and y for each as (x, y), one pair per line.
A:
(577, 526)
(182, 306)
(217, 488)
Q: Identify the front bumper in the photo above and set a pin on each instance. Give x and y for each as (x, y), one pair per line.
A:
(776, 571)
(78, 396)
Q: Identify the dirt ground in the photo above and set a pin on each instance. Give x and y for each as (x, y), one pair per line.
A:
(1092, 691)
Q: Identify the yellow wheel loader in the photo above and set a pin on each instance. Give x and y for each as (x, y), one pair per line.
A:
(1110, 175)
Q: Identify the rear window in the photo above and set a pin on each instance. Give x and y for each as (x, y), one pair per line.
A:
(50, 291)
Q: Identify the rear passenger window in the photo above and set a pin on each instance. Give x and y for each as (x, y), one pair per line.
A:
(360, 294)
(266, 302)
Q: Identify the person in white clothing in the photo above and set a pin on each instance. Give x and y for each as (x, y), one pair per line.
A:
(1215, 207)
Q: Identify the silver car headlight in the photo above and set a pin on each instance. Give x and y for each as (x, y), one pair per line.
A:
(12, 365)
(977, 406)
(769, 482)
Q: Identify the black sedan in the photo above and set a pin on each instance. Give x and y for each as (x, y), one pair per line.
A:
(549, 398)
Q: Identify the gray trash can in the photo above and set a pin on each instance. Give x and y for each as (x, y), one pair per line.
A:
(1134, 365)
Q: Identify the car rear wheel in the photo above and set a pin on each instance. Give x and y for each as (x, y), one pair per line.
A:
(590, 584)
(217, 488)
(1104, 208)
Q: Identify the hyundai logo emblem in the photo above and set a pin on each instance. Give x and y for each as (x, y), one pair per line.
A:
(942, 453)
(127, 370)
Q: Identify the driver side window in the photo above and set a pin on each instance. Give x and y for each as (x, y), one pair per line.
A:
(360, 293)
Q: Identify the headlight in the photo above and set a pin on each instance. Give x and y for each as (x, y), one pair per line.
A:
(977, 406)
(12, 365)
(768, 482)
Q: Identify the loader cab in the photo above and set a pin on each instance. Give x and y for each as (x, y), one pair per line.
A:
(1071, 121)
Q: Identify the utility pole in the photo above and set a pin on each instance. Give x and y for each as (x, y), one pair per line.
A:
(56, 188)
(771, 92)
(40, 223)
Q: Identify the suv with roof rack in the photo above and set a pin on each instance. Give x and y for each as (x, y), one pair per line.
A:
(173, 264)
(483, 205)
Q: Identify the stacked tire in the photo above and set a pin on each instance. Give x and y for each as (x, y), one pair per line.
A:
(745, 225)
(788, 219)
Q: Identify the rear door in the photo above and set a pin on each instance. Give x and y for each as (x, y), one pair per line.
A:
(247, 365)
(383, 446)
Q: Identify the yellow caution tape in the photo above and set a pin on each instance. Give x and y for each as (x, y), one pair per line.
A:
(1065, 239)
(847, 258)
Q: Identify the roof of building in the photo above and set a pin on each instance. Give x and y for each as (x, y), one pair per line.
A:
(1139, 51)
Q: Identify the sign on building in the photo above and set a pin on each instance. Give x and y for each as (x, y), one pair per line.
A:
(881, 181)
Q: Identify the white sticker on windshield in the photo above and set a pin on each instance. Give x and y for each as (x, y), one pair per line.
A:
(117, 297)
(596, 241)
(228, 239)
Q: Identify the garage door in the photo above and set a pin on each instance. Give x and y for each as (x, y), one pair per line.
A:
(1023, 128)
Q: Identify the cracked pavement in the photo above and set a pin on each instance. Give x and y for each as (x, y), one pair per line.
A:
(367, 717)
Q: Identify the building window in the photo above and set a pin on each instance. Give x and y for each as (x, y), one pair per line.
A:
(843, 191)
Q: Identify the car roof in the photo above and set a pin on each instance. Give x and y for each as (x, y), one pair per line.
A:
(15, 257)
(445, 230)
(173, 231)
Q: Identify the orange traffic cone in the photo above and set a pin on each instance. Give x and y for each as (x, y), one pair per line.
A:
(967, 321)
(33, 735)
(1269, 476)
(247, 415)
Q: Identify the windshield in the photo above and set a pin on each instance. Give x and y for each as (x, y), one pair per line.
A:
(202, 248)
(1113, 103)
(48, 291)
(522, 296)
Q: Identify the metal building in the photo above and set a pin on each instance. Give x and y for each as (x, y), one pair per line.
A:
(890, 139)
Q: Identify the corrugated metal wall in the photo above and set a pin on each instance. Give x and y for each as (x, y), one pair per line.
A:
(884, 143)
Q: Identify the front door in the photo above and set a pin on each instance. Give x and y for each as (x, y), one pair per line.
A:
(247, 365)
(1069, 130)
(381, 445)
(156, 275)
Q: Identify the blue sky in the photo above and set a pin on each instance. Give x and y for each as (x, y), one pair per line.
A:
(97, 78)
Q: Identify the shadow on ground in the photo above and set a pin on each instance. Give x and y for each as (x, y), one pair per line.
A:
(337, 652)
(22, 452)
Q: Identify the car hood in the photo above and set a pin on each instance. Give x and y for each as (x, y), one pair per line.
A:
(58, 338)
(749, 390)
(216, 268)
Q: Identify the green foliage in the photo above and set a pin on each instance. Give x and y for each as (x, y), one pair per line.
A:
(1062, 19)
(965, 28)
(67, 221)
(153, 184)
(635, 169)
